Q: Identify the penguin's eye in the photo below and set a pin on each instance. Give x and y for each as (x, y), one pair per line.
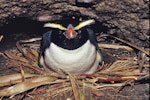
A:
(79, 32)
(79, 36)
(60, 32)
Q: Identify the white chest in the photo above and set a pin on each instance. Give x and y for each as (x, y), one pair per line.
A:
(73, 61)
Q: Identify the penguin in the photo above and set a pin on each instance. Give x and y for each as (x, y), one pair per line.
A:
(71, 49)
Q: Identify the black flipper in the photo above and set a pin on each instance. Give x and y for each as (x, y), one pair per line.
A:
(45, 43)
(92, 38)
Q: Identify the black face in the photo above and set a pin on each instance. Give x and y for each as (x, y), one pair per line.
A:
(60, 40)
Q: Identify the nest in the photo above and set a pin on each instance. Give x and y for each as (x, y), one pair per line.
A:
(28, 78)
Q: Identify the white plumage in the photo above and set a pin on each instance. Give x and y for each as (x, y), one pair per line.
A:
(83, 60)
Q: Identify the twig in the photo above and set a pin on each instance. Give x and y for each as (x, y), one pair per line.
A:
(116, 79)
(132, 45)
(22, 74)
(30, 40)
(20, 48)
(146, 77)
(74, 87)
(102, 85)
(17, 63)
(113, 46)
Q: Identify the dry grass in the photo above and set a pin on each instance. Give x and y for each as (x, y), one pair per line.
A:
(31, 77)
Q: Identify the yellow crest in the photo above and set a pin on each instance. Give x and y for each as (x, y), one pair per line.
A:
(59, 26)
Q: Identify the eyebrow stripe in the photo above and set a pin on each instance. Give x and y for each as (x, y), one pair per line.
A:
(53, 25)
(82, 24)
(85, 23)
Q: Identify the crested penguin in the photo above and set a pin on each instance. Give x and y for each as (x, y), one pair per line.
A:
(71, 49)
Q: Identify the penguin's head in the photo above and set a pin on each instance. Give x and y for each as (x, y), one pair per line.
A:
(70, 31)
(71, 36)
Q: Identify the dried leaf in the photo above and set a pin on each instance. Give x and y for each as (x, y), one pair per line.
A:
(13, 77)
(27, 85)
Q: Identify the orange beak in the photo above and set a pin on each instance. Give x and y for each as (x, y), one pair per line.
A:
(70, 32)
